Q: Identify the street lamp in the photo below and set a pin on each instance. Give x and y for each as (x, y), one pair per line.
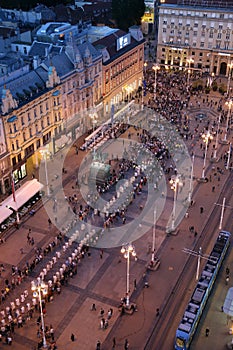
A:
(127, 250)
(143, 83)
(191, 182)
(39, 288)
(229, 104)
(214, 158)
(94, 122)
(153, 238)
(155, 68)
(230, 66)
(205, 137)
(174, 182)
(44, 152)
(189, 61)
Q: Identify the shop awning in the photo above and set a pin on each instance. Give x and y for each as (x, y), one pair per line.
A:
(22, 195)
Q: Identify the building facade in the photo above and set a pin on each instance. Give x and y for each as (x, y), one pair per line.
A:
(50, 105)
(196, 36)
(123, 59)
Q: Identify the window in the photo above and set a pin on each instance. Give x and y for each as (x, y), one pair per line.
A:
(22, 121)
(42, 124)
(204, 14)
(195, 33)
(12, 146)
(164, 22)
(200, 54)
(227, 36)
(47, 106)
(41, 109)
(203, 33)
(17, 144)
(220, 26)
(202, 44)
(48, 121)
(219, 35)
(30, 132)
(29, 117)
(211, 35)
(195, 25)
(15, 129)
(24, 136)
(221, 15)
(164, 30)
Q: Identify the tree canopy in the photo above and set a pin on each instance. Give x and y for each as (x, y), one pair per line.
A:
(127, 12)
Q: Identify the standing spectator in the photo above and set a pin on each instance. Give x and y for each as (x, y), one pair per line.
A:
(126, 344)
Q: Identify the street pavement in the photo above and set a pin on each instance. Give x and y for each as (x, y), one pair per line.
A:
(103, 280)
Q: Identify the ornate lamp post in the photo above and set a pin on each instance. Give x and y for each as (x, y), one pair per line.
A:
(229, 105)
(44, 152)
(39, 288)
(155, 68)
(191, 182)
(206, 137)
(127, 250)
(143, 83)
(214, 159)
(230, 66)
(93, 117)
(174, 182)
(189, 61)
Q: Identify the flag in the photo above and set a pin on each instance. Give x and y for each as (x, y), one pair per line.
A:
(13, 187)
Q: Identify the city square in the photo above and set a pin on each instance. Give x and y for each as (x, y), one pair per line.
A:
(109, 218)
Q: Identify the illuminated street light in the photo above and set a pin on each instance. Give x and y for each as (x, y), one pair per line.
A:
(44, 152)
(143, 83)
(39, 288)
(174, 182)
(230, 66)
(155, 68)
(214, 159)
(94, 120)
(127, 250)
(189, 61)
(205, 137)
(229, 105)
(191, 182)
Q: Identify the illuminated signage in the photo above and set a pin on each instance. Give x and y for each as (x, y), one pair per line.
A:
(123, 41)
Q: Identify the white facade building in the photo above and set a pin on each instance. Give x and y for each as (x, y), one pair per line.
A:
(196, 36)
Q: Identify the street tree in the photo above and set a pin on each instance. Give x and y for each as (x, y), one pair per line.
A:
(127, 12)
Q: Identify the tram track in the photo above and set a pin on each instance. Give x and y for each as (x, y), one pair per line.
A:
(173, 307)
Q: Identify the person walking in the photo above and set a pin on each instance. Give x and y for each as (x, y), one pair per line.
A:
(126, 344)
(207, 332)
(72, 337)
(114, 343)
(98, 345)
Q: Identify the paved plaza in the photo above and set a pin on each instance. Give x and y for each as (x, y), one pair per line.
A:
(101, 276)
